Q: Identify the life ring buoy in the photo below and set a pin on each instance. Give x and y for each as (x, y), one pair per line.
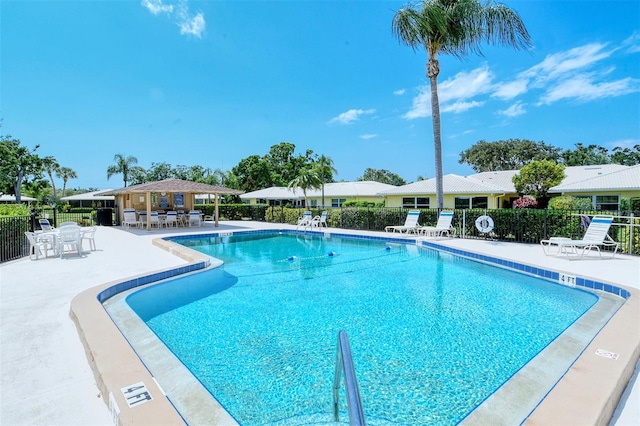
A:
(484, 224)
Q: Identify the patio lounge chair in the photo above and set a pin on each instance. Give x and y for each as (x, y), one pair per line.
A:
(442, 227)
(172, 219)
(596, 236)
(45, 225)
(154, 219)
(410, 224)
(319, 221)
(305, 220)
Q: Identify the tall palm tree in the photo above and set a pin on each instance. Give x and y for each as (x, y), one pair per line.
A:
(455, 27)
(51, 166)
(324, 167)
(123, 165)
(66, 173)
(307, 179)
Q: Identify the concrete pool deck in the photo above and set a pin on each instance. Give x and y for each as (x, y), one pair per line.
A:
(46, 378)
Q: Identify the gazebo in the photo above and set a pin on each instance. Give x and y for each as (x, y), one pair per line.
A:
(165, 194)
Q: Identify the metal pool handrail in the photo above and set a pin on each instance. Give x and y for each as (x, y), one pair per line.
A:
(344, 362)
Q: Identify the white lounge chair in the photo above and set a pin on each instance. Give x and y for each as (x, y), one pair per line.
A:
(305, 220)
(443, 226)
(45, 225)
(154, 219)
(596, 236)
(130, 218)
(410, 224)
(319, 221)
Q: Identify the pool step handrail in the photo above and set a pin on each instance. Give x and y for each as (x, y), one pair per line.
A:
(344, 362)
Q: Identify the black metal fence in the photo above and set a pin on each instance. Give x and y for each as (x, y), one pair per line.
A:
(514, 225)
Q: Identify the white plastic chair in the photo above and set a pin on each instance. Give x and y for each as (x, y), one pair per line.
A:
(194, 218)
(319, 221)
(443, 226)
(89, 235)
(410, 224)
(68, 240)
(154, 219)
(130, 218)
(305, 220)
(596, 236)
(172, 219)
(38, 246)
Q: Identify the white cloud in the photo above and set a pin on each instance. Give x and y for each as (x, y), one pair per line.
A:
(632, 44)
(368, 136)
(507, 91)
(351, 116)
(189, 24)
(514, 110)
(156, 6)
(583, 88)
(399, 92)
(624, 143)
(453, 93)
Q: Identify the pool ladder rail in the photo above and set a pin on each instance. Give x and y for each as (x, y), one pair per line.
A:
(344, 362)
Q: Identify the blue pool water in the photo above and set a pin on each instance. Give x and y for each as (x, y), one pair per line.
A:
(432, 335)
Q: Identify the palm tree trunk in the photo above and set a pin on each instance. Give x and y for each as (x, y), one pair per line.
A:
(433, 69)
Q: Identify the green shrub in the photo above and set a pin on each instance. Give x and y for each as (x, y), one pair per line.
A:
(14, 210)
(567, 202)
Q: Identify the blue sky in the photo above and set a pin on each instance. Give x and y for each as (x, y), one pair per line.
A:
(212, 82)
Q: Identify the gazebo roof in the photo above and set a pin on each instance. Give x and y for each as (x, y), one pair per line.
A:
(173, 185)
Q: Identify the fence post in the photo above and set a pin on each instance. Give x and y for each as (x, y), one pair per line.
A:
(544, 224)
(464, 222)
(633, 224)
(32, 220)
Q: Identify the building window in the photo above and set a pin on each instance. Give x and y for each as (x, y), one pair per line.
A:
(314, 203)
(472, 202)
(337, 202)
(415, 202)
(479, 202)
(607, 202)
(462, 202)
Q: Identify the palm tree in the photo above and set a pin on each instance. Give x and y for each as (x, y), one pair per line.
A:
(123, 165)
(455, 27)
(52, 167)
(307, 179)
(324, 166)
(66, 173)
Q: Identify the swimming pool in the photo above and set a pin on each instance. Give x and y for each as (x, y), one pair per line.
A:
(432, 336)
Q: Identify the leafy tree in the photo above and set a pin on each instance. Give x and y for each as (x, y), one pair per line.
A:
(324, 168)
(66, 173)
(51, 166)
(160, 171)
(585, 155)
(455, 27)
(284, 165)
(382, 176)
(510, 154)
(123, 166)
(307, 179)
(537, 177)
(18, 166)
(253, 173)
(626, 156)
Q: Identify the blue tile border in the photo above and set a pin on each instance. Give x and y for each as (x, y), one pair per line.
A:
(503, 263)
(533, 270)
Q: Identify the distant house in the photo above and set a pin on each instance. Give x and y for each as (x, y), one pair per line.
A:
(11, 199)
(606, 189)
(494, 190)
(335, 194)
(90, 199)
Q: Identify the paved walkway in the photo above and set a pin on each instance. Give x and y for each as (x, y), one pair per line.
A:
(45, 378)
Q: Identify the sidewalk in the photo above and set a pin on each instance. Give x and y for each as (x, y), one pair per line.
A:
(45, 376)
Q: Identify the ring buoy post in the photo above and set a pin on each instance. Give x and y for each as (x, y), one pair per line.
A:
(484, 224)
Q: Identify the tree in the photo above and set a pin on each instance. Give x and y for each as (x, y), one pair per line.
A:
(17, 166)
(586, 155)
(626, 156)
(253, 173)
(66, 173)
(455, 27)
(123, 166)
(382, 176)
(537, 177)
(324, 168)
(51, 166)
(307, 179)
(510, 154)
